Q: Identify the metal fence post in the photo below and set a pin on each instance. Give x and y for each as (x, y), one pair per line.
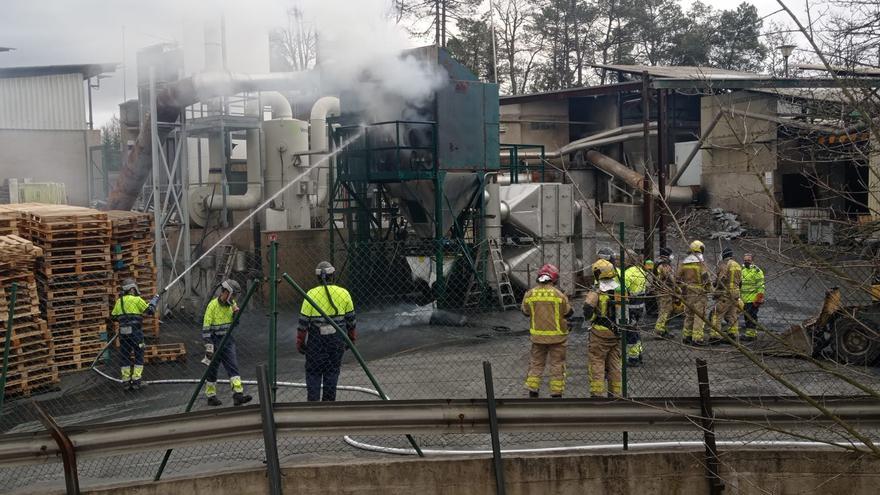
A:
(624, 320)
(360, 359)
(707, 420)
(273, 466)
(8, 343)
(493, 429)
(273, 317)
(68, 450)
(214, 362)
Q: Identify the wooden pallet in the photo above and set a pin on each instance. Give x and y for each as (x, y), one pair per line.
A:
(165, 353)
(33, 382)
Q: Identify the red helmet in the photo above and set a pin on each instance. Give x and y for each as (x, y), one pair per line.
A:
(548, 273)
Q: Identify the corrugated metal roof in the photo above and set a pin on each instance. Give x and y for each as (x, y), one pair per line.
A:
(86, 70)
(682, 71)
(45, 102)
(562, 94)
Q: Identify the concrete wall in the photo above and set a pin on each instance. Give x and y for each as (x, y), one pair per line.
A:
(49, 156)
(672, 473)
(739, 158)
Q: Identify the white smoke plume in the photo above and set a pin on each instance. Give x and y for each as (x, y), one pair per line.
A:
(361, 53)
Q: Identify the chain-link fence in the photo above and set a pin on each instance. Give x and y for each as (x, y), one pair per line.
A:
(425, 317)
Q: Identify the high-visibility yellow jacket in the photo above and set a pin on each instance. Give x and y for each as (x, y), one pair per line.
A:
(335, 301)
(547, 308)
(218, 318)
(129, 311)
(636, 280)
(752, 283)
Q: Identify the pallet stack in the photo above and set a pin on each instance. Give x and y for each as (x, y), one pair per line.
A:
(132, 242)
(31, 357)
(73, 278)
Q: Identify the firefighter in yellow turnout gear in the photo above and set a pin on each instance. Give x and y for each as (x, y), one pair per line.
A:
(665, 288)
(129, 311)
(548, 310)
(604, 347)
(727, 306)
(693, 279)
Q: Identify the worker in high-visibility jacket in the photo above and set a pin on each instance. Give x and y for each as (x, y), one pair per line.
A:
(600, 309)
(219, 316)
(317, 338)
(752, 295)
(636, 280)
(129, 311)
(548, 310)
(693, 279)
(728, 280)
(665, 289)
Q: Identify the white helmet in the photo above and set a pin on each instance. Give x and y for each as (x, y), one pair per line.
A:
(130, 284)
(230, 286)
(324, 269)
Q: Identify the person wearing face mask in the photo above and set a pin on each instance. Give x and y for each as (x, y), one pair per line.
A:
(752, 296)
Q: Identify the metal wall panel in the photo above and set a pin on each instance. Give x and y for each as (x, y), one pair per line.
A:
(43, 102)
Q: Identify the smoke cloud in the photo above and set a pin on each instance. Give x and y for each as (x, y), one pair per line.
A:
(361, 55)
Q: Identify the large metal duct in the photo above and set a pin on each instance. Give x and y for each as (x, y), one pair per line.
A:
(171, 100)
(319, 144)
(674, 194)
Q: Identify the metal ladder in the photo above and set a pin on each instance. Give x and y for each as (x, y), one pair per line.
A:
(225, 259)
(503, 289)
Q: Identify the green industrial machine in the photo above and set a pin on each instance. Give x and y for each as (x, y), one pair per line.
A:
(407, 195)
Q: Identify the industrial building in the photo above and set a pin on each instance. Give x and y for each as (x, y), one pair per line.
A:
(46, 133)
(745, 148)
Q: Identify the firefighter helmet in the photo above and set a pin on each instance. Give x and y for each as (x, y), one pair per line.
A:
(548, 273)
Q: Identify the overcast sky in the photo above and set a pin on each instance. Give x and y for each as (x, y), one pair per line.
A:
(47, 32)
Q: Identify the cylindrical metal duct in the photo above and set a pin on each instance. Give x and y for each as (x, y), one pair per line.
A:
(319, 144)
(138, 166)
(674, 194)
(287, 141)
(493, 211)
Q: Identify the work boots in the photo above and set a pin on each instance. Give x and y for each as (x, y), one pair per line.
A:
(533, 394)
(239, 398)
(214, 401)
(137, 385)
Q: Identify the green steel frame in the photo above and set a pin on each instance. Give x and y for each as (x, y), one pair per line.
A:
(356, 174)
(513, 160)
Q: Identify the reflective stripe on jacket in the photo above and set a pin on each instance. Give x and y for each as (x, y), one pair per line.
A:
(335, 301)
(129, 311)
(752, 283)
(547, 308)
(218, 318)
(693, 275)
(729, 277)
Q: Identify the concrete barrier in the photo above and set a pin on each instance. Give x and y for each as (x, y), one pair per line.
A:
(672, 472)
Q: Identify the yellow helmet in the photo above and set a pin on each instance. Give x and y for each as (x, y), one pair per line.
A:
(603, 269)
(697, 247)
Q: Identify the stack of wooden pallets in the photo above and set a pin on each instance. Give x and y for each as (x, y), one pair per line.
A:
(31, 356)
(132, 241)
(73, 278)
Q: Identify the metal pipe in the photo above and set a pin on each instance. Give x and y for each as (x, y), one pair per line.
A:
(674, 194)
(66, 447)
(327, 106)
(270, 439)
(437, 416)
(493, 429)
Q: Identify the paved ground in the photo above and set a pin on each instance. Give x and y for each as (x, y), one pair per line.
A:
(413, 359)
